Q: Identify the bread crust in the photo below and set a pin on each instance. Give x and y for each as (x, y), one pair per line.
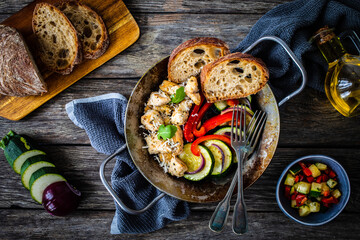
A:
(79, 57)
(104, 38)
(196, 42)
(204, 75)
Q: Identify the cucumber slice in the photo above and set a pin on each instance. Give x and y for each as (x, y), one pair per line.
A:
(221, 164)
(23, 157)
(26, 175)
(41, 179)
(221, 105)
(193, 162)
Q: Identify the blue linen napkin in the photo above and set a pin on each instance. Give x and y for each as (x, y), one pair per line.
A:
(295, 23)
(102, 118)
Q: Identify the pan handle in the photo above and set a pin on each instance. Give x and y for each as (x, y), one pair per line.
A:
(113, 193)
(292, 56)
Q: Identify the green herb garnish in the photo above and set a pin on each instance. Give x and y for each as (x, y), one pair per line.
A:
(178, 96)
(166, 132)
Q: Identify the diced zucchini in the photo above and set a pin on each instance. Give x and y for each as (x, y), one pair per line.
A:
(321, 166)
(324, 188)
(315, 172)
(292, 190)
(221, 105)
(303, 187)
(315, 190)
(336, 193)
(331, 183)
(295, 169)
(290, 180)
(304, 210)
(314, 207)
(293, 204)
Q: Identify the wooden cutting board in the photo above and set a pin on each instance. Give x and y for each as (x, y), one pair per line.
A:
(123, 31)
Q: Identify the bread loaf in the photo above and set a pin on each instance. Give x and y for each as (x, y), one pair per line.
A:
(89, 25)
(191, 56)
(236, 75)
(19, 75)
(60, 48)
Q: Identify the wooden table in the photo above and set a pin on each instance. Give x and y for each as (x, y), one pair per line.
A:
(309, 125)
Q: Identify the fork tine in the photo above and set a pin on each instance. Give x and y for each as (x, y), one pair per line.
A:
(237, 125)
(252, 122)
(243, 121)
(232, 125)
(259, 127)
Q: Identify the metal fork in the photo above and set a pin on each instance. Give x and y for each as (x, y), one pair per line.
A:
(256, 124)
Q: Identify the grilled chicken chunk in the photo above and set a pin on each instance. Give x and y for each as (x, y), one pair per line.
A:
(169, 87)
(158, 99)
(174, 145)
(173, 164)
(192, 90)
(152, 120)
(165, 112)
(181, 113)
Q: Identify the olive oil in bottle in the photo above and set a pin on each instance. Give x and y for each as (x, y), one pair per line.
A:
(342, 81)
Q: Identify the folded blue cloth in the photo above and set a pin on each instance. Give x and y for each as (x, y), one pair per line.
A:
(295, 23)
(102, 118)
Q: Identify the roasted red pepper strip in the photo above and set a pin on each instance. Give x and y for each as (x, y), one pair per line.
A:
(287, 192)
(297, 178)
(300, 199)
(232, 102)
(190, 123)
(329, 200)
(195, 145)
(200, 115)
(213, 123)
(302, 165)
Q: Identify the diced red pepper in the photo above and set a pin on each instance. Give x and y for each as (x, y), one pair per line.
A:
(332, 174)
(307, 172)
(300, 199)
(232, 102)
(189, 125)
(326, 193)
(326, 205)
(293, 197)
(324, 177)
(195, 145)
(310, 179)
(302, 165)
(301, 177)
(319, 179)
(297, 178)
(287, 192)
(329, 200)
(335, 179)
(327, 171)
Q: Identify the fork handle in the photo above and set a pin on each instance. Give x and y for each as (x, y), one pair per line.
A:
(240, 223)
(218, 219)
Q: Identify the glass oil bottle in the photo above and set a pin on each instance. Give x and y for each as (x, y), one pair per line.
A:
(342, 81)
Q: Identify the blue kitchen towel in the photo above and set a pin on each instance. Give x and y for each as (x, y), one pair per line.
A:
(295, 22)
(102, 118)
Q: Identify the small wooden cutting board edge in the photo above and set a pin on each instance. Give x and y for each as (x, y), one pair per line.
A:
(123, 32)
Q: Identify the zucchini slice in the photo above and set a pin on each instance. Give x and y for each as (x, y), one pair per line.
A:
(193, 162)
(220, 105)
(26, 175)
(304, 211)
(303, 187)
(223, 157)
(23, 157)
(42, 178)
(289, 180)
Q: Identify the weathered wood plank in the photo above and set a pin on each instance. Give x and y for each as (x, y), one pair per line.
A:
(80, 165)
(188, 6)
(20, 224)
(306, 120)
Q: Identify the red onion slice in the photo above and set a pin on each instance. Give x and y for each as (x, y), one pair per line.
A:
(202, 165)
(222, 156)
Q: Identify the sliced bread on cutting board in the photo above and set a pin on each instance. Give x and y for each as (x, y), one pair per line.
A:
(19, 75)
(90, 27)
(191, 56)
(60, 48)
(236, 75)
